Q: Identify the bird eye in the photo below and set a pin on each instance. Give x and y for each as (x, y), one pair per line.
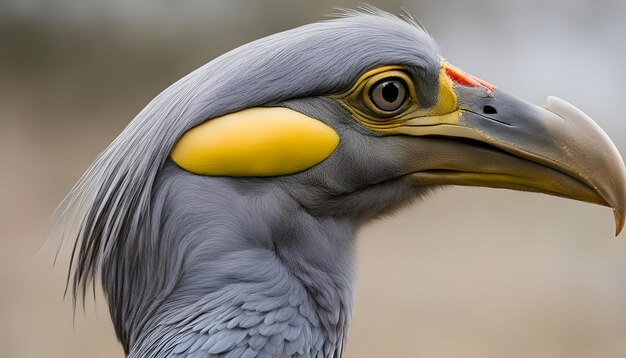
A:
(388, 95)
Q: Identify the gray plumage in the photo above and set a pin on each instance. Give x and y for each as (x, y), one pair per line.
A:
(197, 266)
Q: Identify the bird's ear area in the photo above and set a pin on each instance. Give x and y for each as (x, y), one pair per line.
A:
(255, 142)
(386, 98)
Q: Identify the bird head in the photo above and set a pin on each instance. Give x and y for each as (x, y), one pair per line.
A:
(349, 118)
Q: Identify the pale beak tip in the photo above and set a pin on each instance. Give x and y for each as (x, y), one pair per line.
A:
(619, 221)
(611, 181)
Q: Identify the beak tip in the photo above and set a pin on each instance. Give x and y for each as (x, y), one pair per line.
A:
(619, 221)
(612, 183)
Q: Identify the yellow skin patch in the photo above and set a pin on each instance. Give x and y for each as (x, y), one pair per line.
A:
(411, 118)
(260, 141)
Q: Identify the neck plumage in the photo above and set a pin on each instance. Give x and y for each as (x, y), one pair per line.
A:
(237, 269)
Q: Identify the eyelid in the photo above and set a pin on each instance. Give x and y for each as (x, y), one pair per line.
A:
(355, 99)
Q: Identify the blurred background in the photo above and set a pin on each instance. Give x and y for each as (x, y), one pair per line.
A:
(468, 273)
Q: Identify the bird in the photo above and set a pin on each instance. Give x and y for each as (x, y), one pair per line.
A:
(222, 221)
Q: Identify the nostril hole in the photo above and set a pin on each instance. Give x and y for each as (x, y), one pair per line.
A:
(489, 110)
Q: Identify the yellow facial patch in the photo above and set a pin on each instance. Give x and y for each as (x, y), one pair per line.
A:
(412, 116)
(257, 141)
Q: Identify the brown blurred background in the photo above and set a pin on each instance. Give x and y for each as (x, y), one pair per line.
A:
(467, 273)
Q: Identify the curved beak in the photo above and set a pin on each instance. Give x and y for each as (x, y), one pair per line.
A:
(498, 140)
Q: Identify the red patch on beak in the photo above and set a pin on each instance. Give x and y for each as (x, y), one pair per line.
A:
(465, 79)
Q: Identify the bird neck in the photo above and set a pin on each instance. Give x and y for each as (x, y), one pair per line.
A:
(251, 260)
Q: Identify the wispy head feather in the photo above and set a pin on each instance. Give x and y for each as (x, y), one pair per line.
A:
(108, 213)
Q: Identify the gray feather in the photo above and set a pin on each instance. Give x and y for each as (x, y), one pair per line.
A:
(200, 266)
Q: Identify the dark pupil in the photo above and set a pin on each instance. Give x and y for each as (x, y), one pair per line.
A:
(390, 91)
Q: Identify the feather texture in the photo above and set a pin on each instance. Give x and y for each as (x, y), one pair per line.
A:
(201, 267)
